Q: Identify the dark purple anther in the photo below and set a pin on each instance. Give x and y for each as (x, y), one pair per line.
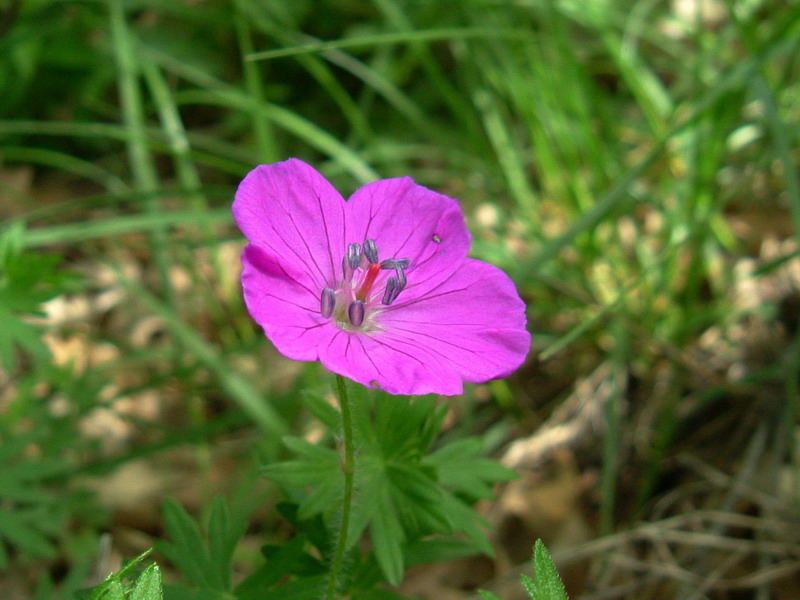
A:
(393, 263)
(401, 279)
(356, 313)
(392, 290)
(371, 251)
(354, 255)
(327, 302)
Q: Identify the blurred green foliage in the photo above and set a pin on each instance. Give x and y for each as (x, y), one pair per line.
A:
(619, 159)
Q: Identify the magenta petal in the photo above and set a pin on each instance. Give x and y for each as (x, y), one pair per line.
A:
(474, 323)
(456, 320)
(470, 328)
(282, 300)
(383, 362)
(291, 210)
(407, 220)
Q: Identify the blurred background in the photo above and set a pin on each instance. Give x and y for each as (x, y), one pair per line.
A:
(631, 164)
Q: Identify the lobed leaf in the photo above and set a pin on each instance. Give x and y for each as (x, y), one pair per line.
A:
(224, 533)
(187, 550)
(388, 538)
(148, 586)
(547, 584)
(462, 468)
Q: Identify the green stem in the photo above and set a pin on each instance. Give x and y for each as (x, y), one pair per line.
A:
(347, 468)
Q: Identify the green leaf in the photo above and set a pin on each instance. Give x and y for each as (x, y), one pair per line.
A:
(462, 468)
(289, 559)
(405, 426)
(16, 333)
(32, 512)
(297, 473)
(26, 280)
(130, 566)
(466, 521)
(205, 560)
(327, 414)
(547, 584)
(433, 550)
(322, 500)
(377, 594)
(388, 538)
(418, 498)
(313, 528)
(114, 591)
(316, 465)
(17, 530)
(223, 535)
(309, 588)
(187, 550)
(407, 500)
(148, 586)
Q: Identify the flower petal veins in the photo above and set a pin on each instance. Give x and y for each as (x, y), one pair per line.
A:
(377, 288)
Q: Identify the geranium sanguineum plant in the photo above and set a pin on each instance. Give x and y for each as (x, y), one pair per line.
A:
(378, 288)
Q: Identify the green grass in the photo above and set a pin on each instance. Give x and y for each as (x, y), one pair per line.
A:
(616, 146)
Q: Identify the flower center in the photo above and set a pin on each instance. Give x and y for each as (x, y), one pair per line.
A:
(364, 287)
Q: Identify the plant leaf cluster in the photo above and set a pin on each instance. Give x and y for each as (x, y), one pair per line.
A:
(203, 557)
(31, 515)
(27, 279)
(35, 502)
(405, 490)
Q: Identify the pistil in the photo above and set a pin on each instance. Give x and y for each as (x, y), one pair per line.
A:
(369, 281)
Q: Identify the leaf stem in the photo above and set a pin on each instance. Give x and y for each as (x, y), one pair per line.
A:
(348, 469)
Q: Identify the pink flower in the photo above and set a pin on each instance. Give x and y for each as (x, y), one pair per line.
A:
(378, 288)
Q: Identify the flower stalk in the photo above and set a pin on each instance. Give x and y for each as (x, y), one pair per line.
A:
(348, 469)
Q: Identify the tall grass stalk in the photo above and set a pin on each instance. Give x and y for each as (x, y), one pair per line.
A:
(142, 165)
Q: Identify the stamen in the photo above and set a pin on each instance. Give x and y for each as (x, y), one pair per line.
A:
(393, 263)
(371, 250)
(401, 279)
(361, 268)
(354, 255)
(327, 302)
(356, 313)
(392, 290)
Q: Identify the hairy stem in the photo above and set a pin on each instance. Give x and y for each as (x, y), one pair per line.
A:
(347, 468)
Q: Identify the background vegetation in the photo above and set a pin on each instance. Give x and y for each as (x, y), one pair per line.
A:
(632, 165)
